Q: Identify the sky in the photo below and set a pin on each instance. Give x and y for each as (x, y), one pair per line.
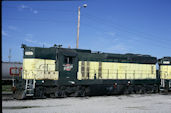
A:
(112, 26)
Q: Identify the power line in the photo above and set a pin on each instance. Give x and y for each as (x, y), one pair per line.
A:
(9, 56)
(38, 20)
(123, 28)
(42, 9)
(126, 40)
(153, 40)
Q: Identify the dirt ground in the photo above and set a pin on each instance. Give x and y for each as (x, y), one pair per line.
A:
(147, 103)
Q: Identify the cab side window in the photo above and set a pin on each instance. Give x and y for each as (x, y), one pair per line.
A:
(68, 60)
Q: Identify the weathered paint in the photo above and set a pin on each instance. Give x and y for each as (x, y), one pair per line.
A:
(113, 70)
(39, 69)
(165, 71)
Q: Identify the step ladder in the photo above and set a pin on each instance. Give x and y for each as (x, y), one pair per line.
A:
(30, 86)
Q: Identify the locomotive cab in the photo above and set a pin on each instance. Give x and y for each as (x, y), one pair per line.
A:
(46, 69)
(67, 66)
(165, 74)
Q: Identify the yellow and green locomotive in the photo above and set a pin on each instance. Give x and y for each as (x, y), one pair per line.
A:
(61, 72)
(165, 73)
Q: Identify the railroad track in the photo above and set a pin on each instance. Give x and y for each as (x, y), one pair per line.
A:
(7, 96)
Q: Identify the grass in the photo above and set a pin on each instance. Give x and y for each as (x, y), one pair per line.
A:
(6, 88)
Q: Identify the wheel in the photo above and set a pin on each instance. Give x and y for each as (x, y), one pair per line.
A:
(19, 95)
(87, 91)
(57, 94)
(82, 93)
(126, 91)
(39, 92)
(63, 94)
(142, 91)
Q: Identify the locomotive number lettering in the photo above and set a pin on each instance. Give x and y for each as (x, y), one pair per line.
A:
(28, 53)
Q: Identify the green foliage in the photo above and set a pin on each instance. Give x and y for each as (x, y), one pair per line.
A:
(6, 88)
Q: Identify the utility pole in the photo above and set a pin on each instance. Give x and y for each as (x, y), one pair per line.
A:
(9, 57)
(78, 26)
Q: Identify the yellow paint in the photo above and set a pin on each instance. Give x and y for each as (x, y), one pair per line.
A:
(113, 70)
(165, 71)
(39, 69)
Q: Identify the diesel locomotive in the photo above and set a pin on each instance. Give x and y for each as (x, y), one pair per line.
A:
(62, 72)
(165, 73)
